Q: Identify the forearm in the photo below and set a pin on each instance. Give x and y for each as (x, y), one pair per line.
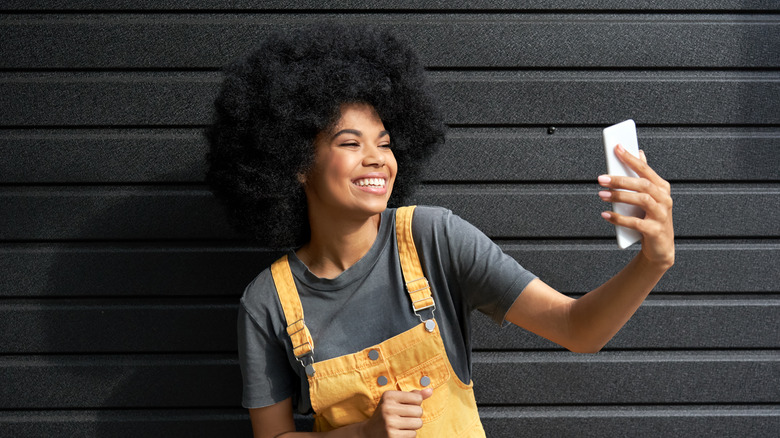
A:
(598, 315)
(351, 431)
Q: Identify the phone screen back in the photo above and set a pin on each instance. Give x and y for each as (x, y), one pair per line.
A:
(624, 134)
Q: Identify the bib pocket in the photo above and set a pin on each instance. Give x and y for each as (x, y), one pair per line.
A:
(433, 373)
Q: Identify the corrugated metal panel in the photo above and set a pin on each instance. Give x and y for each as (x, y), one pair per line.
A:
(471, 155)
(120, 277)
(446, 40)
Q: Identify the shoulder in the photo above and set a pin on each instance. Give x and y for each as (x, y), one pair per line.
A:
(427, 217)
(260, 298)
(432, 222)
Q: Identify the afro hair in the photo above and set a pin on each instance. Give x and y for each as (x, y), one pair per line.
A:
(275, 101)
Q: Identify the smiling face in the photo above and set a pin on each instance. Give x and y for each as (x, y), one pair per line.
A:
(354, 167)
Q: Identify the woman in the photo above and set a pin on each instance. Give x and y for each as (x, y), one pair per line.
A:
(366, 321)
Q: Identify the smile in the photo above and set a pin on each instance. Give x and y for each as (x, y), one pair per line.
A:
(370, 182)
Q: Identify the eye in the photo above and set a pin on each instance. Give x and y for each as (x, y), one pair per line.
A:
(350, 144)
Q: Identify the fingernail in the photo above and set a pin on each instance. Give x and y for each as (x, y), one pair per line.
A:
(604, 179)
(605, 194)
(619, 148)
(605, 214)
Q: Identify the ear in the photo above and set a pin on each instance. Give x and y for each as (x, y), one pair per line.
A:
(301, 178)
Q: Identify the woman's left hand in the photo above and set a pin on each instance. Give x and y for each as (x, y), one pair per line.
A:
(651, 193)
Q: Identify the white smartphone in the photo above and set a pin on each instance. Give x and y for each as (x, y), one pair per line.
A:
(624, 134)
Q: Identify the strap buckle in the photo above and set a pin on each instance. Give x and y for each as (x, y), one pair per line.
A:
(423, 286)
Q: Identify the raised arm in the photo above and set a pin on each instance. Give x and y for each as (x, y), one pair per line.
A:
(588, 323)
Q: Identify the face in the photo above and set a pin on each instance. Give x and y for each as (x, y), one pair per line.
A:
(354, 167)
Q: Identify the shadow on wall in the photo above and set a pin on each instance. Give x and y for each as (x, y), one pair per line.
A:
(139, 336)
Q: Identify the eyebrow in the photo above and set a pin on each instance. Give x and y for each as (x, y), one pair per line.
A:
(358, 133)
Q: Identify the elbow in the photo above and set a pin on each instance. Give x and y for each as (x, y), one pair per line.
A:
(585, 346)
(585, 350)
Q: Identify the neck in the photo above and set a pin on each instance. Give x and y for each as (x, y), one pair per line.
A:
(337, 243)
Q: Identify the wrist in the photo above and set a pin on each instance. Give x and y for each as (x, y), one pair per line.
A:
(360, 430)
(657, 264)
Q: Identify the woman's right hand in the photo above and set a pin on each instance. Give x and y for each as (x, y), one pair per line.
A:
(399, 414)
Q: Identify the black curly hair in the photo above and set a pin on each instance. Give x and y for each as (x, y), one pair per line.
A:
(275, 101)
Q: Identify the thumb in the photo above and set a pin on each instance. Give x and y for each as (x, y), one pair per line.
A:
(425, 393)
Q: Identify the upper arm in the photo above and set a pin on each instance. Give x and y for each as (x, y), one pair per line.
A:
(544, 311)
(273, 420)
(476, 268)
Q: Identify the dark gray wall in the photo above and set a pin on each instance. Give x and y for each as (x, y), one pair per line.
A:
(119, 277)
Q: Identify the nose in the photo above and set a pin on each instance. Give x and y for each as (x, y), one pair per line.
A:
(374, 156)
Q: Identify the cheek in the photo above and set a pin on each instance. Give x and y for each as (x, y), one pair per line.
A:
(393, 166)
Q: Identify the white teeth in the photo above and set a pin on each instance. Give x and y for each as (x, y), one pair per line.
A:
(374, 182)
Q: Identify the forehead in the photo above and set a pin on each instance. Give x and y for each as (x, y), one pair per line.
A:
(356, 114)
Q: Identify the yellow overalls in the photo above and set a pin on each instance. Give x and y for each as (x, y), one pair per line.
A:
(347, 389)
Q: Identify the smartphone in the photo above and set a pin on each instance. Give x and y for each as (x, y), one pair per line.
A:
(624, 134)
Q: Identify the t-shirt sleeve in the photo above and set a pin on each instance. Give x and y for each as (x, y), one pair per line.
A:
(490, 280)
(267, 375)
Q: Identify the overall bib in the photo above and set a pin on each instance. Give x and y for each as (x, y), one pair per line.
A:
(347, 389)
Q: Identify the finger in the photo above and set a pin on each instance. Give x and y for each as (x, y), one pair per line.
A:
(403, 397)
(642, 156)
(624, 221)
(644, 201)
(641, 185)
(425, 393)
(639, 166)
(395, 413)
(399, 424)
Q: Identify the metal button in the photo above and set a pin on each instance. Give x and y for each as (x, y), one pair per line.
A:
(381, 381)
(373, 355)
(430, 325)
(425, 381)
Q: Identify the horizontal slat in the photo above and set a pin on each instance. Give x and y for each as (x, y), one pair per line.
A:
(102, 156)
(506, 211)
(133, 5)
(648, 421)
(627, 377)
(111, 213)
(494, 98)
(689, 421)
(601, 97)
(495, 154)
(664, 324)
(470, 154)
(699, 267)
(442, 40)
(81, 270)
(563, 211)
(126, 423)
(107, 98)
(139, 381)
(129, 270)
(137, 326)
(540, 378)
(83, 326)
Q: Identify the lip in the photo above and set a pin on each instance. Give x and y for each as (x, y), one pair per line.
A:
(369, 189)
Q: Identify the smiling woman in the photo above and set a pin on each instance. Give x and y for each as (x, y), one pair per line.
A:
(348, 186)
(354, 168)
(277, 100)
(315, 135)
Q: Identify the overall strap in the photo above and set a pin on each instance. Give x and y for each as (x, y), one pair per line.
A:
(416, 284)
(300, 336)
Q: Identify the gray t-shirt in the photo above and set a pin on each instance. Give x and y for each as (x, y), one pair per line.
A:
(367, 303)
